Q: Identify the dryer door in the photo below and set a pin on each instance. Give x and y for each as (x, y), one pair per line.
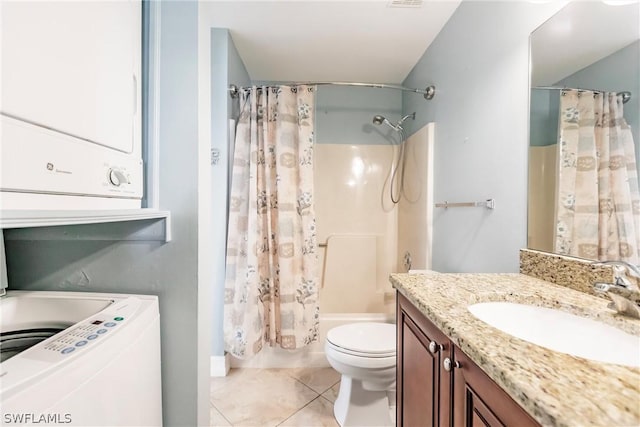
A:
(73, 67)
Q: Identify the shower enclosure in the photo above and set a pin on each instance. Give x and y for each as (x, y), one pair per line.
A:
(362, 235)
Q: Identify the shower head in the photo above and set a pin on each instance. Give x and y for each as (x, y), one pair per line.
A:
(378, 119)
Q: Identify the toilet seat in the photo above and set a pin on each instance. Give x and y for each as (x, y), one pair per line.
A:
(343, 350)
(365, 339)
(358, 361)
(365, 356)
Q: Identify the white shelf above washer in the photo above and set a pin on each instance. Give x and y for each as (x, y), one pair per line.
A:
(136, 224)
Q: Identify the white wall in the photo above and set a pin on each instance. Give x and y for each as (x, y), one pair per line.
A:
(479, 64)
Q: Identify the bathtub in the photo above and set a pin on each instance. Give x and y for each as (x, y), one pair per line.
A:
(312, 355)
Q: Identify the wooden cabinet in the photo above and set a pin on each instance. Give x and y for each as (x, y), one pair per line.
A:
(438, 385)
(423, 386)
(478, 401)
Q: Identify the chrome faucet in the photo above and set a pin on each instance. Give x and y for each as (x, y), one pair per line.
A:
(623, 293)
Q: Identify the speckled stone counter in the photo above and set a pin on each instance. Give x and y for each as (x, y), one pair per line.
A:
(575, 273)
(555, 388)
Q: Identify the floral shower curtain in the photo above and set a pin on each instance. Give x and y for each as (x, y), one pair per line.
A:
(271, 292)
(598, 208)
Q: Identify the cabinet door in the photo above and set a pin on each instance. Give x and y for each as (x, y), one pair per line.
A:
(480, 402)
(423, 388)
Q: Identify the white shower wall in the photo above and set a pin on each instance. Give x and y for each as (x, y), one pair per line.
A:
(542, 195)
(359, 225)
(366, 235)
(415, 210)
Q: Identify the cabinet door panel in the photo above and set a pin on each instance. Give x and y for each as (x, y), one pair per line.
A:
(419, 379)
(478, 412)
(478, 421)
(478, 401)
(424, 387)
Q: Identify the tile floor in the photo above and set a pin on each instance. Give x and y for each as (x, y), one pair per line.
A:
(300, 397)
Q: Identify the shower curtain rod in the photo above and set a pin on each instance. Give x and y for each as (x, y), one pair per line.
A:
(428, 92)
(626, 96)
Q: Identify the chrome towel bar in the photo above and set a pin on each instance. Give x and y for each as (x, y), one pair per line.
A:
(489, 204)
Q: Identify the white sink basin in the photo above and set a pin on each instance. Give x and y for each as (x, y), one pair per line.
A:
(561, 331)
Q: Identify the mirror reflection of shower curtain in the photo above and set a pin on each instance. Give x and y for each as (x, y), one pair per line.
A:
(598, 205)
(271, 291)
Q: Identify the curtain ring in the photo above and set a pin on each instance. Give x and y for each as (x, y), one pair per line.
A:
(294, 89)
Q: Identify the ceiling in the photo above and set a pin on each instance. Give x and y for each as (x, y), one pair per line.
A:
(580, 34)
(358, 41)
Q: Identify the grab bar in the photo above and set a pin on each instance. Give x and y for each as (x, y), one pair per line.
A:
(325, 245)
(489, 204)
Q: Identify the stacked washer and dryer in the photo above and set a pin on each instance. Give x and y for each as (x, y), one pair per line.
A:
(70, 105)
(70, 127)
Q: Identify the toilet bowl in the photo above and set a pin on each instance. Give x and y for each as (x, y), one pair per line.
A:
(365, 355)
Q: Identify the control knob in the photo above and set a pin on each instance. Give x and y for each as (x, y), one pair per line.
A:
(117, 178)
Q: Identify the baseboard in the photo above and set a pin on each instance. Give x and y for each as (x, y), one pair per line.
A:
(220, 365)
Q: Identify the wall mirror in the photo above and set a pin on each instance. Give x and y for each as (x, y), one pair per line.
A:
(595, 47)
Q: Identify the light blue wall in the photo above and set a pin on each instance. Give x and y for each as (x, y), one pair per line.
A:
(167, 270)
(619, 71)
(545, 108)
(226, 68)
(479, 64)
(344, 114)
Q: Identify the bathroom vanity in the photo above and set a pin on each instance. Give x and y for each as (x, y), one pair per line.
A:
(458, 389)
(454, 369)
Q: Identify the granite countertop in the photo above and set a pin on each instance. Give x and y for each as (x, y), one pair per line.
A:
(555, 388)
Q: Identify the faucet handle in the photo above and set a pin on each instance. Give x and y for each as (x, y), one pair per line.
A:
(623, 300)
(630, 294)
(619, 275)
(622, 271)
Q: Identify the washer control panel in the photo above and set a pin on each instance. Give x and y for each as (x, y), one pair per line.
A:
(83, 334)
(86, 333)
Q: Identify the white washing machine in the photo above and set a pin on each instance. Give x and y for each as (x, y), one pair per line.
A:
(80, 359)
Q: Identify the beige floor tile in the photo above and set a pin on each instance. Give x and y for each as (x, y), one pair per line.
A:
(332, 394)
(259, 397)
(319, 379)
(234, 375)
(318, 413)
(216, 419)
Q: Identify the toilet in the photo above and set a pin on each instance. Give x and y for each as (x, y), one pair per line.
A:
(365, 355)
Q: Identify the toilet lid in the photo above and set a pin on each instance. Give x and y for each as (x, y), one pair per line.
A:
(366, 337)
